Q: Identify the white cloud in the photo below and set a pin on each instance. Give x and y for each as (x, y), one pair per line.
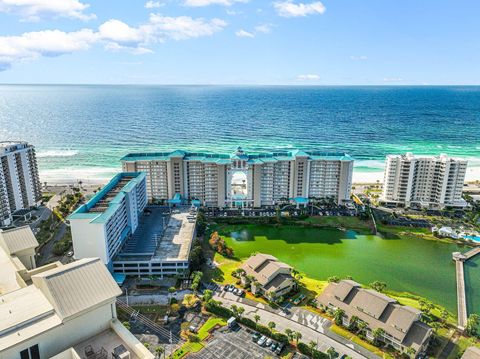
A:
(290, 9)
(114, 34)
(200, 3)
(359, 58)
(264, 28)
(153, 4)
(308, 77)
(243, 33)
(33, 10)
(32, 45)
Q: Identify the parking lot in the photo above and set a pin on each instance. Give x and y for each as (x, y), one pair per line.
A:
(233, 345)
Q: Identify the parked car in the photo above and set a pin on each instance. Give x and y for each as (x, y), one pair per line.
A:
(279, 348)
(256, 336)
(262, 340)
(273, 347)
(70, 254)
(268, 342)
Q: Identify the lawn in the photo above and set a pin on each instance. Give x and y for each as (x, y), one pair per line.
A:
(340, 221)
(209, 325)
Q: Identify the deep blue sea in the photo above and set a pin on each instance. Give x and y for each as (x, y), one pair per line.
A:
(82, 131)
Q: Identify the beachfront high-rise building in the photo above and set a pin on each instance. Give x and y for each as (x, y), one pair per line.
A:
(101, 226)
(58, 311)
(425, 181)
(129, 238)
(241, 179)
(20, 186)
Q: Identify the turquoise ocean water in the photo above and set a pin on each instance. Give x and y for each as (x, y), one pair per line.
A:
(82, 131)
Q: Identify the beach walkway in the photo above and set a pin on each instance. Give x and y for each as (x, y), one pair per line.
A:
(459, 259)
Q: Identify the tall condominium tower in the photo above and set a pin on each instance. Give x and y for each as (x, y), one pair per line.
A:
(20, 186)
(241, 179)
(424, 181)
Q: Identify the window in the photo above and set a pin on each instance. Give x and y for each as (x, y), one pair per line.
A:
(30, 353)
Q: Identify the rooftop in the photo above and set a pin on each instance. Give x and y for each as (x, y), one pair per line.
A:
(471, 353)
(225, 158)
(17, 239)
(107, 200)
(263, 267)
(378, 310)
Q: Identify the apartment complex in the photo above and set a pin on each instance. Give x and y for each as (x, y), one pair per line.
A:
(20, 186)
(401, 325)
(424, 181)
(58, 311)
(129, 238)
(271, 278)
(241, 179)
(101, 226)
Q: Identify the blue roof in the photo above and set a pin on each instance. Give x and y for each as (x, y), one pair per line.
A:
(252, 158)
(105, 202)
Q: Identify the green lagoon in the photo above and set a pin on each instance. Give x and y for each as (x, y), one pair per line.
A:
(419, 266)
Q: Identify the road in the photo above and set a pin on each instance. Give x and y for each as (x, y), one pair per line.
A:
(312, 326)
(45, 254)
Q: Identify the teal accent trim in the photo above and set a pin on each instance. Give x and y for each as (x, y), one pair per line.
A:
(83, 212)
(223, 158)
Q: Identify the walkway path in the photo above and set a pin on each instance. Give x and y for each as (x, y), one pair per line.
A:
(312, 326)
(459, 259)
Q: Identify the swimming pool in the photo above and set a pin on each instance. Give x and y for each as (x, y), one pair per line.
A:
(473, 238)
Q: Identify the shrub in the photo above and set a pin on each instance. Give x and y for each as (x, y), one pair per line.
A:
(305, 349)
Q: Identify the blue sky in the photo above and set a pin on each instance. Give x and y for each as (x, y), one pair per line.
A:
(332, 42)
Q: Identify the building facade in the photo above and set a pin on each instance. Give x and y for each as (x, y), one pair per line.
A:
(241, 179)
(20, 186)
(424, 181)
(398, 325)
(58, 311)
(101, 226)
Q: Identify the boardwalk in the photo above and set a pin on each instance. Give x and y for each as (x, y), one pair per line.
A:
(460, 258)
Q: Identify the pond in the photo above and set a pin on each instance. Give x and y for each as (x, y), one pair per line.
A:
(415, 265)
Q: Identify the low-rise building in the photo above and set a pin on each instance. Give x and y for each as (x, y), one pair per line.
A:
(471, 353)
(401, 325)
(268, 276)
(59, 311)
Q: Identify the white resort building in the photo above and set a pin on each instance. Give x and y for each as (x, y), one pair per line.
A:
(20, 186)
(58, 311)
(424, 181)
(130, 238)
(244, 180)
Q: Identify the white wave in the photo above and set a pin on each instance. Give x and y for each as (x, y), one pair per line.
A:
(374, 164)
(57, 153)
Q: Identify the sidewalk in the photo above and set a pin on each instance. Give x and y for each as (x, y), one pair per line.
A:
(312, 326)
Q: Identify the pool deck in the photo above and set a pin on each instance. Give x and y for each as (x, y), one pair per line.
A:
(459, 259)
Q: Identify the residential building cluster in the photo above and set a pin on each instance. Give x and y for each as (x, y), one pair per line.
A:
(424, 181)
(20, 187)
(401, 325)
(58, 311)
(268, 276)
(241, 179)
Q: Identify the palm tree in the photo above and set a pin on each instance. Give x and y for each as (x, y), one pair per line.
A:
(158, 351)
(411, 352)
(256, 317)
(171, 290)
(271, 325)
(312, 346)
(338, 316)
(297, 336)
(331, 352)
(361, 325)
(378, 334)
(289, 334)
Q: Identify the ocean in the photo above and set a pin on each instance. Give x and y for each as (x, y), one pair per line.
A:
(81, 131)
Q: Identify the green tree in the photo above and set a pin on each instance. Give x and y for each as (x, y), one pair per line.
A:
(171, 290)
(271, 325)
(256, 317)
(378, 286)
(207, 295)
(444, 315)
(378, 334)
(473, 322)
(333, 279)
(297, 336)
(338, 316)
(312, 346)
(159, 351)
(411, 352)
(331, 352)
(289, 334)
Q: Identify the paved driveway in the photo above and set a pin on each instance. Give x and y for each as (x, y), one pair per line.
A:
(312, 326)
